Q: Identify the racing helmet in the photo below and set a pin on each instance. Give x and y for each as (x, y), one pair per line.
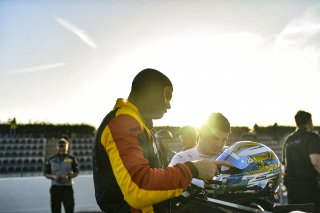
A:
(163, 134)
(164, 139)
(256, 170)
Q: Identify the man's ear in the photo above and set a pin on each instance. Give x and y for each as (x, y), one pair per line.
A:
(167, 93)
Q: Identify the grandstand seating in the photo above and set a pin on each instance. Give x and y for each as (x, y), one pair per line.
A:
(81, 148)
(22, 155)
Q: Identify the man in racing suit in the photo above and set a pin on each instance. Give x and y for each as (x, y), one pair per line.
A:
(126, 165)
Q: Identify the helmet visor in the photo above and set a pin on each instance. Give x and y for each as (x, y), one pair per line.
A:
(236, 160)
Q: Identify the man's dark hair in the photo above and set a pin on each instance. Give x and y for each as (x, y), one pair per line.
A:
(218, 121)
(149, 78)
(188, 130)
(302, 118)
(62, 141)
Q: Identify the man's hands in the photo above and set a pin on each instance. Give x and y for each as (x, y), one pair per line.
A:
(209, 168)
(57, 178)
(62, 178)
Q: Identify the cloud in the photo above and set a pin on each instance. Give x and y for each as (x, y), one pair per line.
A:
(302, 32)
(298, 28)
(39, 68)
(77, 31)
(299, 41)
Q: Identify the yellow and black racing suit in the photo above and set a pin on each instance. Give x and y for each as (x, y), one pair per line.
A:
(126, 165)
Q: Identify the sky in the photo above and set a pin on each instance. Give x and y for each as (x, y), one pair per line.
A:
(255, 61)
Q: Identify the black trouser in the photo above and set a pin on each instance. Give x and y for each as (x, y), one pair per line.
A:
(62, 194)
(304, 195)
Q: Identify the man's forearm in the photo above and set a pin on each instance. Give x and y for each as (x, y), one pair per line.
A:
(50, 176)
(315, 160)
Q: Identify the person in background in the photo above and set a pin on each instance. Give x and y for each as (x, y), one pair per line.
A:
(61, 168)
(127, 170)
(13, 127)
(301, 159)
(188, 137)
(213, 135)
(164, 139)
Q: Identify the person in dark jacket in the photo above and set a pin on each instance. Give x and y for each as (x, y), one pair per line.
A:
(126, 165)
(61, 168)
(301, 158)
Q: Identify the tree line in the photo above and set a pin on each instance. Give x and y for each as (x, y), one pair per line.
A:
(48, 130)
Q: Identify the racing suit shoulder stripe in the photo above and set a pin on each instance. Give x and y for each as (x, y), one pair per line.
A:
(126, 111)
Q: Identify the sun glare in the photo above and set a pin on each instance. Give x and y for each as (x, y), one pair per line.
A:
(238, 74)
(205, 72)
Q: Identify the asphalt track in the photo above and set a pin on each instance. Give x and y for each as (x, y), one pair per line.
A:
(31, 194)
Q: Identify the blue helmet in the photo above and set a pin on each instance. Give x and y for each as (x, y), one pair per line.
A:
(256, 170)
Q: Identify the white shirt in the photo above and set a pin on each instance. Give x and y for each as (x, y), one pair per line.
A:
(191, 155)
